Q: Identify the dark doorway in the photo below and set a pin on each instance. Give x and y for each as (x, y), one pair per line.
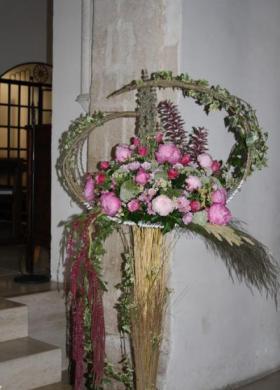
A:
(25, 168)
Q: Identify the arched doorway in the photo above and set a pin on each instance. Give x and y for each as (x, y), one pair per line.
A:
(25, 141)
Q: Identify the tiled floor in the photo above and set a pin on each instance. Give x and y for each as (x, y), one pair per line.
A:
(271, 382)
(9, 267)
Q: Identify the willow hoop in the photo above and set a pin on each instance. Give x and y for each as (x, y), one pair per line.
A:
(247, 153)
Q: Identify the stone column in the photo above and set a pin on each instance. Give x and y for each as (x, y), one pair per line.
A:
(128, 36)
(86, 49)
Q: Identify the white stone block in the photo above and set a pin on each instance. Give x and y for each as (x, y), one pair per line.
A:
(27, 364)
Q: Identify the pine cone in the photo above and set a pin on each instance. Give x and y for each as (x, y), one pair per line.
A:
(198, 143)
(173, 124)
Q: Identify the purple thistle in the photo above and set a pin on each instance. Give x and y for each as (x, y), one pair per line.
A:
(172, 124)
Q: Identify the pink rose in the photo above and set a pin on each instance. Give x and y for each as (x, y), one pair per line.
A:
(195, 205)
(142, 177)
(133, 205)
(219, 196)
(193, 183)
(89, 189)
(122, 153)
(185, 159)
(172, 173)
(168, 153)
(104, 165)
(110, 203)
(205, 160)
(163, 205)
(219, 214)
(142, 151)
(216, 166)
(159, 137)
(183, 204)
(187, 218)
(135, 141)
(100, 178)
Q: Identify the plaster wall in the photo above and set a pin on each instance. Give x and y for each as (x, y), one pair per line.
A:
(23, 32)
(66, 87)
(221, 333)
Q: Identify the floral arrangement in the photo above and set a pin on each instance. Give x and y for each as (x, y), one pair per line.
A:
(174, 188)
(164, 179)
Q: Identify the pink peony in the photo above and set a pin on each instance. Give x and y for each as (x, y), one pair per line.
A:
(110, 203)
(186, 158)
(100, 178)
(159, 137)
(187, 218)
(219, 196)
(219, 214)
(172, 173)
(195, 205)
(89, 189)
(142, 151)
(142, 177)
(168, 153)
(133, 205)
(193, 183)
(205, 160)
(122, 153)
(135, 141)
(182, 204)
(104, 165)
(163, 205)
(216, 166)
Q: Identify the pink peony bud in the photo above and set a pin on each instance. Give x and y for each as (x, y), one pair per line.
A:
(142, 177)
(219, 196)
(100, 178)
(133, 205)
(159, 137)
(168, 153)
(110, 203)
(163, 205)
(142, 151)
(182, 204)
(216, 166)
(89, 189)
(185, 159)
(219, 214)
(104, 165)
(205, 160)
(193, 183)
(195, 205)
(172, 173)
(187, 218)
(122, 153)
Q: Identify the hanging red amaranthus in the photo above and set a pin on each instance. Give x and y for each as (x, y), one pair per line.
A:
(84, 281)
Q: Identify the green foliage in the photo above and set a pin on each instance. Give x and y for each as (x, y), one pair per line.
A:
(129, 190)
(125, 305)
